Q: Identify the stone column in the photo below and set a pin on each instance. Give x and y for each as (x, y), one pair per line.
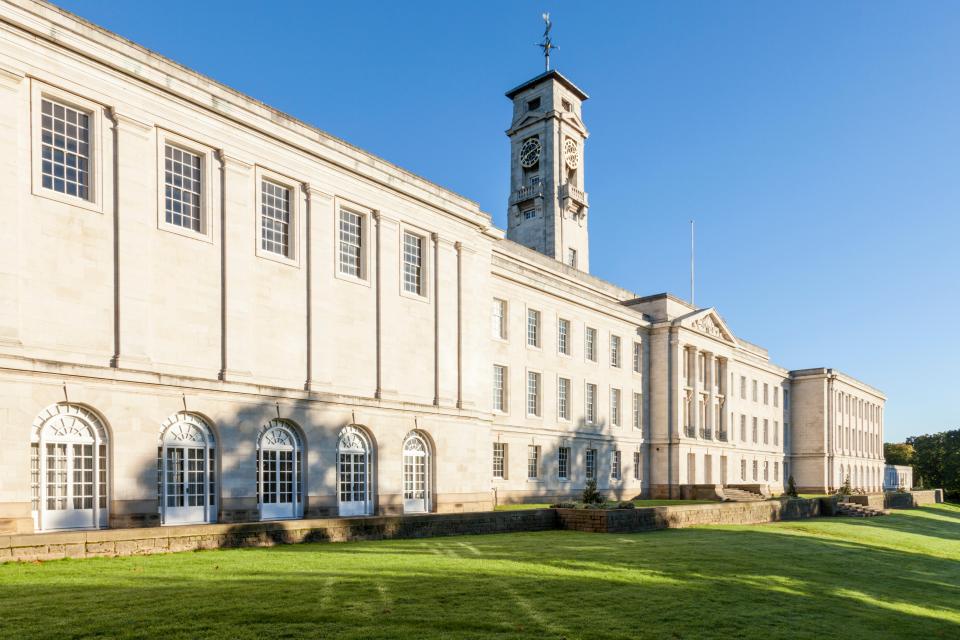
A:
(694, 354)
(320, 265)
(14, 180)
(133, 224)
(709, 364)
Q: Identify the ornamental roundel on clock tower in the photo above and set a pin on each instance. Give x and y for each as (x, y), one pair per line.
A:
(548, 202)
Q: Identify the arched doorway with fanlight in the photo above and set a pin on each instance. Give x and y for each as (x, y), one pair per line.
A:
(69, 468)
(187, 470)
(280, 471)
(355, 474)
(417, 476)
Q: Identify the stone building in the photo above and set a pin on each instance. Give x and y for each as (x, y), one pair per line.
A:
(211, 311)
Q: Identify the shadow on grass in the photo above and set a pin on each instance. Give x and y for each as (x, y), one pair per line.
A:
(764, 582)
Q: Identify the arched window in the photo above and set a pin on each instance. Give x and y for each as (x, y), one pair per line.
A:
(186, 470)
(280, 471)
(68, 469)
(354, 470)
(416, 474)
(842, 477)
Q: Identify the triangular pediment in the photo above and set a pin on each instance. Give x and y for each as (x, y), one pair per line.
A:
(708, 322)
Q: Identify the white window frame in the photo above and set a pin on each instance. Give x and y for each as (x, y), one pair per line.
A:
(292, 258)
(588, 331)
(426, 258)
(563, 474)
(505, 390)
(502, 330)
(589, 413)
(590, 463)
(538, 328)
(207, 185)
(564, 350)
(636, 465)
(366, 235)
(616, 353)
(637, 410)
(616, 407)
(637, 357)
(563, 410)
(502, 458)
(616, 465)
(97, 121)
(533, 462)
(538, 398)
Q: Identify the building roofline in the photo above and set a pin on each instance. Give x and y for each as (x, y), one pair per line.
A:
(554, 74)
(39, 7)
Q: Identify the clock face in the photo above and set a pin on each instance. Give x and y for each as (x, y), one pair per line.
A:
(530, 152)
(571, 153)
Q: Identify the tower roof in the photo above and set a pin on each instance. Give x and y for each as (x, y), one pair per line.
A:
(552, 74)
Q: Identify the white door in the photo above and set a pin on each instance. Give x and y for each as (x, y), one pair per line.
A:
(708, 469)
(69, 469)
(416, 489)
(723, 470)
(278, 500)
(353, 483)
(185, 485)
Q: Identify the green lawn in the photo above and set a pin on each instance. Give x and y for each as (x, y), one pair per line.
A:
(638, 503)
(890, 577)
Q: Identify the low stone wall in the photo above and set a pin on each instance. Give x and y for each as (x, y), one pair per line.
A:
(679, 516)
(910, 499)
(120, 542)
(874, 500)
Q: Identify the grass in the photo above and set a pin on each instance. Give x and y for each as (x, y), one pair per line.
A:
(638, 503)
(890, 577)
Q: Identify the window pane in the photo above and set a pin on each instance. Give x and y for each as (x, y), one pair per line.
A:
(413, 263)
(275, 218)
(65, 149)
(351, 237)
(182, 188)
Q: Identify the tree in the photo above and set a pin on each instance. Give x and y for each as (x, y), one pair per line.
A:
(898, 453)
(936, 460)
(791, 487)
(845, 490)
(590, 493)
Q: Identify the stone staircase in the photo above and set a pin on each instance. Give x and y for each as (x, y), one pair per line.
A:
(740, 495)
(859, 510)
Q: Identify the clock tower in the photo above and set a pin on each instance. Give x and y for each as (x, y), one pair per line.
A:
(548, 204)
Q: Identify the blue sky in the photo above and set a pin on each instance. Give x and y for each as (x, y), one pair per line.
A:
(816, 145)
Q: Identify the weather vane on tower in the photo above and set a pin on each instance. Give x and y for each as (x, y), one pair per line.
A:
(547, 43)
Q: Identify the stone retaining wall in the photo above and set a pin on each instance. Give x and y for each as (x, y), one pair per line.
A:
(910, 499)
(679, 516)
(122, 542)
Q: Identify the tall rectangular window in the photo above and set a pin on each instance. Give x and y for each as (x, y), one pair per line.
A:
(615, 465)
(615, 407)
(776, 432)
(590, 344)
(533, 462)
(533, 393)
(755, 470)
(755, 394)
(499, 460)
(591, 464)
(766, 470)
(274, 218)
(563, 336)
(743, 428)
(499, 387)
(743, 469)
(755, 430)
(572, 257)
(351, 243)
(766, 393)
(637, 357)
(182, 188)
(413, 263)
(563, 398)
(637, 411)
(766, 431)
(614, 351)
(591, 402)
(64, 149)
(776, 396)
(499, 319)
(743, 387)
(533, 328)
(636, 465)
(776, 471)
(563, 463)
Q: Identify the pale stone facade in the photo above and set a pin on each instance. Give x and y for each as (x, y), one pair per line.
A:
(210, 311)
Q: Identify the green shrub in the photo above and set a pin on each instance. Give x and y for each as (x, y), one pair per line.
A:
(590, 494)
(791, 487)
(564, 505)
(626, 504)
(845, 490)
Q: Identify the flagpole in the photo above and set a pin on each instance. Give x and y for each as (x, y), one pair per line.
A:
(692, 263)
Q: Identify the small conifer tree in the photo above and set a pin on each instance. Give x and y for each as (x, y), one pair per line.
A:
(590, 493)
(791, 487)
(845, 490)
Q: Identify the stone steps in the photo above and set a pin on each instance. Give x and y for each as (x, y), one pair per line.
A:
(859, 511)
(740, 495)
